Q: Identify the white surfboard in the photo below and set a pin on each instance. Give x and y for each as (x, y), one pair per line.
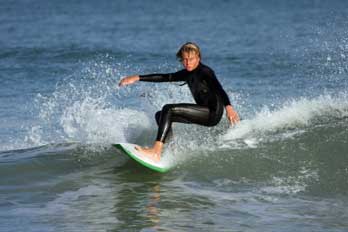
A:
(129, 149)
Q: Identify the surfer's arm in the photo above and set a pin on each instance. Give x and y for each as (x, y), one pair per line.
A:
(158, 77)
(231, 114)
(164, 77)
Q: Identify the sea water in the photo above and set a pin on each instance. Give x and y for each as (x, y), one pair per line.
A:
(282, 63)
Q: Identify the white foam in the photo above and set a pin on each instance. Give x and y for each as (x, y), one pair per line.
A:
(87, 108)
(290, 119)
(87, 122)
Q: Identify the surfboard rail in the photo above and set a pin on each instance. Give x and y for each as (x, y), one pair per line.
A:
(129, 149)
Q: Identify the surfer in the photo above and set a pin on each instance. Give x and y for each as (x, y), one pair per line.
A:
(207, 92)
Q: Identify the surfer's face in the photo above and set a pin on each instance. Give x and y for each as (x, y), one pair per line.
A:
(190, 60)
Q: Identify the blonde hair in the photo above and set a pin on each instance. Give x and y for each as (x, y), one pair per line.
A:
(188, 47)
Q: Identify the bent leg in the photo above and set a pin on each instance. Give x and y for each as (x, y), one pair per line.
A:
(184, 113)
(158, 120)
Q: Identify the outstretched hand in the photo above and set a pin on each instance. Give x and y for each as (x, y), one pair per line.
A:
(232, 115)
(128, 80)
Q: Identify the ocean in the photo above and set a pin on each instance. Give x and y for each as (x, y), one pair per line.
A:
(284, 65)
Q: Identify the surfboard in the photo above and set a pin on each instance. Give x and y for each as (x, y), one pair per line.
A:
(129, 149)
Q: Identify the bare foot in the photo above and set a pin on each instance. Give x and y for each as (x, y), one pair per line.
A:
(149, 153)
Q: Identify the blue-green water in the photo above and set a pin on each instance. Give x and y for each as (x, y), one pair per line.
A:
(283, 168)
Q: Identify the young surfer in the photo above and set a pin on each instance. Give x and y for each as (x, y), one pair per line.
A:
(206, 90)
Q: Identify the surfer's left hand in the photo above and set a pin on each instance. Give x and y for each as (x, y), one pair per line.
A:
(232, 115)
(128, 80)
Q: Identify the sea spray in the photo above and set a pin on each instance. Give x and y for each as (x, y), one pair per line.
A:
(291, 118)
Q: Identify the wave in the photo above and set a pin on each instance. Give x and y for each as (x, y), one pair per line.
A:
(311, 162)
(290, 119)
(89, 108)
(290, 145)
(299, 148)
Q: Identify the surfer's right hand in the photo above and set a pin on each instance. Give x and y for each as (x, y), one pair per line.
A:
(232, 115)
(128, 80)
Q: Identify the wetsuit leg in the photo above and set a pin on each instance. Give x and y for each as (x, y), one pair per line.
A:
(158, 119)
(184, 113)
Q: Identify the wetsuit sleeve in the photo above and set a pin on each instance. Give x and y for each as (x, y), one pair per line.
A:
(218, 88)
(167, 77)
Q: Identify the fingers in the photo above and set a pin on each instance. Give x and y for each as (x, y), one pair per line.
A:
(123, 82)
(232, 115)
(128, 80)
(234, 119)
(237, 118)
(120, 83)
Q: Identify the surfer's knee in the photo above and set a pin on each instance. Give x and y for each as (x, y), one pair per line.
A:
(167, 109)
(158, 117)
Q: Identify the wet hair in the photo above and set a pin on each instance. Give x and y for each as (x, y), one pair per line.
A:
(188, 47)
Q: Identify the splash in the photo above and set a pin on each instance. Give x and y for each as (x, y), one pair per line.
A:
(87, 108)
(287, 121)
(88, 122)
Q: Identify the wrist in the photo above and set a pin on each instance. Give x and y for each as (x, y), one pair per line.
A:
(229, 107)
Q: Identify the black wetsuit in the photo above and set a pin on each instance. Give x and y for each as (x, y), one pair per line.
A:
(207, 92)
